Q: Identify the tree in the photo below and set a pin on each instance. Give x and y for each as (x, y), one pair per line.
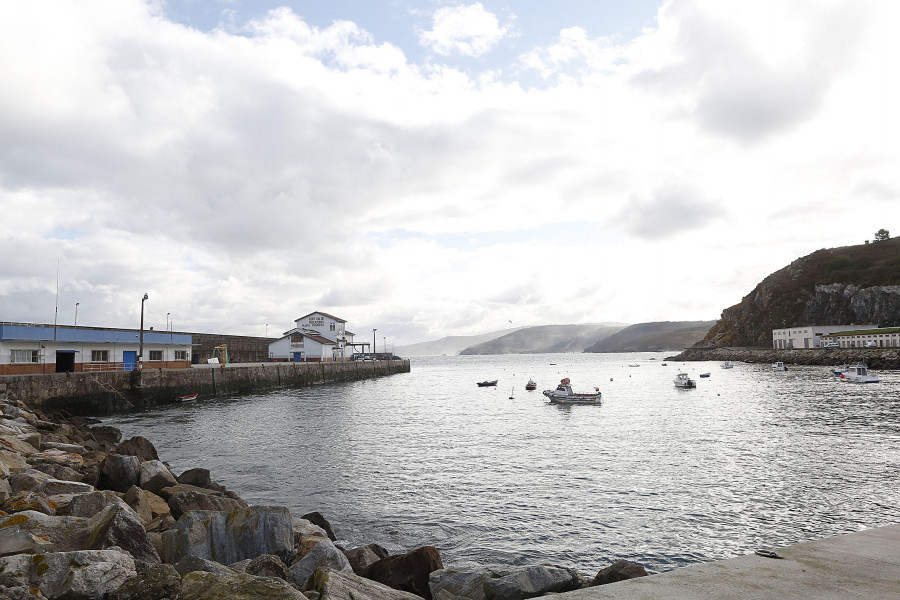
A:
(882, 235)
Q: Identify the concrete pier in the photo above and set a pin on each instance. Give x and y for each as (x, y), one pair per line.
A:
(864, 565)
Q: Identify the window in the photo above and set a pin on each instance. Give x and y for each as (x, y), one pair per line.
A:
(181, 355)
(331, 327)
(99, 355)
(23, 356)
(156, 355)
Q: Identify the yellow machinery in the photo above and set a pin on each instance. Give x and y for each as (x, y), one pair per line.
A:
(222, 354)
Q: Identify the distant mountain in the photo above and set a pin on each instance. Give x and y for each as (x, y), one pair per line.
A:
(546, 338)
(451, 345)
(652, 337)
(835, 286)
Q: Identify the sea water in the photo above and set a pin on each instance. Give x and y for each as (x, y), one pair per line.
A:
(665, 477)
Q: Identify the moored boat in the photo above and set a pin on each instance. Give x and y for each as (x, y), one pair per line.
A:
(187, 397)
(704, 374)
(683, 381)
(487, 383)
(531, 385)
(779, 366)
(858, 373)
(727, 365)
(563, 394)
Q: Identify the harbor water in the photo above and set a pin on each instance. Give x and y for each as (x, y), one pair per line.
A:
(665, 477)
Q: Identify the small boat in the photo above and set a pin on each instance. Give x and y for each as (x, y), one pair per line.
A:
(531, 385)
(704, 374)
(779, 366)
(563, 394)
(187, 397)
(634, 365)
(683, 381)
(727, 365)
(487, 383)
(858, 373)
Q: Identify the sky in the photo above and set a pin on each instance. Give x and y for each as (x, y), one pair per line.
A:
(432, 168)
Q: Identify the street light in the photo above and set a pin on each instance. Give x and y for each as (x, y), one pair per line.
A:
(76, 313)
(141, 351)
(373, 343)
(267, 330)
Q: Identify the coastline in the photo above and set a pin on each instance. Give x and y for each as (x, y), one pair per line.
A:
(875, 358)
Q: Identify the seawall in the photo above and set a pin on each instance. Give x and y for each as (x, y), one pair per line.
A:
(875, 358)
(104, 392)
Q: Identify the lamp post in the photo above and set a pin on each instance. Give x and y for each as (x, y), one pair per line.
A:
(267, 330)
(373, 343)
(141, 350)
(76, 313)
(384, 345)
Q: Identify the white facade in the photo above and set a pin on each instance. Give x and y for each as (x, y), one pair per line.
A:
(888, 337)
(809, 336)
(317, 337)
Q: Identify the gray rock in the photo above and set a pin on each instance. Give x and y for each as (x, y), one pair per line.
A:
(61, 472)
(190, 564)
(85, 574)
(155, 476)
(304, 527)
(235, 586)
(159, 582)
(180, 504)
(324, 555)
(121, 527)
(30, 480)
(118, 472)
(364, 556)
(5, 490)
(450, 584)
(11, 463)
(619, 571)
(408, 572)
(198, 477)
(316, 518)
(15, 541)
(60, 486)
(228, 537)
(346, 585)
(138, 446)
(106, 436)
(88, 505)
(70, 448)
(528, 582)
(29, 501)
(264, 565)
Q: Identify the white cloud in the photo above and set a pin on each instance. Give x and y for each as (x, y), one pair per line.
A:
(469, 30)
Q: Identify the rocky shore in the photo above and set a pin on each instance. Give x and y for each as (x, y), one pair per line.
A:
(87, 515)
(875, 358)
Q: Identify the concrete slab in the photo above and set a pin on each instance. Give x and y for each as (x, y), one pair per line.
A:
(864, 565)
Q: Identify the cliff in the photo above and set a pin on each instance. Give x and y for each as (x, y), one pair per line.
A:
(837, 286)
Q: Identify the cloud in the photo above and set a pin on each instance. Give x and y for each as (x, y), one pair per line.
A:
(669, 211)
(468, 30)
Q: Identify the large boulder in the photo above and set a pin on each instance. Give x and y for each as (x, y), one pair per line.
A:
(106, 436)
(119, 526)
(264, 565)
(138, 446)
(619, 571)
(316, 518)
(408, 572)
(323, 556)
(147, 505)
(159, 582)
(529, 582)
(25, 501)
(190, 564)
(88, 505)
(15, 541)
(181, 504)
(13, 444)
(30, 480)
(118, 472)
(156, 476)
(57, 457)
(83, 574)
(303, 527)
(361, 558)
(228, 537)
(235, 586)
(11, 463)
(346, 585)
(197, 477)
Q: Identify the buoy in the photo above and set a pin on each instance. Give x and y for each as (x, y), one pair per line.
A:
(610, 378)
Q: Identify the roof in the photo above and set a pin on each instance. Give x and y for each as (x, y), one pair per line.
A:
(318, 312)
(320, 339)
(60, 334)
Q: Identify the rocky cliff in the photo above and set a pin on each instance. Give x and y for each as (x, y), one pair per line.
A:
(852, 284)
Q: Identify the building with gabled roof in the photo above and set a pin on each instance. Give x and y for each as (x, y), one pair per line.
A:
(317, 336)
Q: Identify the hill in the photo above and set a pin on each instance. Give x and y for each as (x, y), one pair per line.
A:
(546, 338)
(450, 345)
(648, 337)
(836, 286)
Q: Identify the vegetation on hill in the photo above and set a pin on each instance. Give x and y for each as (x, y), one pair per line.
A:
(546, 338)
(649, 337)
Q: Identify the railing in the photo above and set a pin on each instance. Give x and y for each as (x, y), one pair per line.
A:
(99, 367)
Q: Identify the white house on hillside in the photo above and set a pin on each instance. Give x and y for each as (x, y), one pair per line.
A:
(317, 337)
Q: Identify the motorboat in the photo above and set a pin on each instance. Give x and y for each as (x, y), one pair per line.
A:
(704, 374)
(858, 373)
(487, 383)
(779, 366)
(634, 365)
(727, 365)
(563, 394)
(683, 381)
(187, 397)
(531, 385)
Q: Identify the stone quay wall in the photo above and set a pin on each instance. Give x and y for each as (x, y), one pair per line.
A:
(104, 392)
(875, 358)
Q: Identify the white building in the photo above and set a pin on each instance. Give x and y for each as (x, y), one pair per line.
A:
(809, 336)
(887, 337)
(316, 337)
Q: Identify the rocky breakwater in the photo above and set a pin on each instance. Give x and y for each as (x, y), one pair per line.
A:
(875, 358)
(86, 515)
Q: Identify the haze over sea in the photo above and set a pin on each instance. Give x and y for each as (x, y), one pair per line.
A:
(749, 459)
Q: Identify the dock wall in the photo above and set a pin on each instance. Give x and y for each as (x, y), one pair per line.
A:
(104, 392)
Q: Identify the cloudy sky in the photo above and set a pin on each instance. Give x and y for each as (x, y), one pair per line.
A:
(431, 167)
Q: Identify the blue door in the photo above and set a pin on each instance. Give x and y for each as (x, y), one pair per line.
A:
(129, 360)
(298, 357)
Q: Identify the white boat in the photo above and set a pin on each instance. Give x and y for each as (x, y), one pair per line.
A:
(683, 381)
(563, 394)
(727, 365)
(779, 366)
(858, 373)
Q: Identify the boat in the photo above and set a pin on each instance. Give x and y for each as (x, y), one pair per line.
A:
(487, 383)
(704, 374)
(187, 397)
(563, 394)
(531, 385)
(683, 381)
(858, 373)
(727, 365)
(779, 366)
(634, 365)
